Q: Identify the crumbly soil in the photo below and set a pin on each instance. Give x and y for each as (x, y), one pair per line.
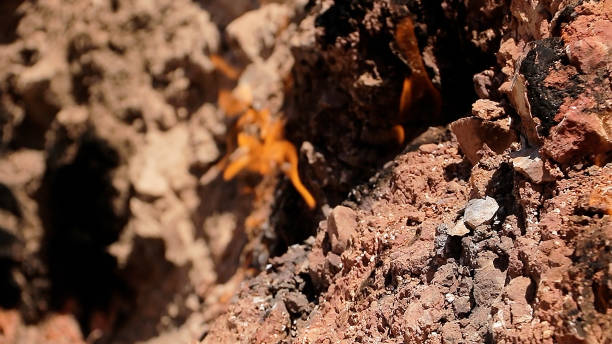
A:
(116, 225)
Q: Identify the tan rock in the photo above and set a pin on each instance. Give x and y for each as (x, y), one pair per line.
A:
(467, 132)
(341, 226)
(518, 98)
(487, 109)
(255, 32)
(480, 211)
(473, 133)
(532, 167)
(459, 229)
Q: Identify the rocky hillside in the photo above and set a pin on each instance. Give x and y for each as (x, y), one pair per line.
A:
(292, 171)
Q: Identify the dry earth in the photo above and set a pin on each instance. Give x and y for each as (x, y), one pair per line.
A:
(490, 223)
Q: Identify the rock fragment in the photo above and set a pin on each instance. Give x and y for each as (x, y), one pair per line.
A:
(462, 305)
(441, 241)
(459, 229)
(532, 167)
(451, 333)
(480, 211)
(333, 262)
(255, 31)
(466, 130)
(473, 133)
(516, 292)
(341, 225)
(580, 133)
(487, 109)
(296, 303)
(488, 284)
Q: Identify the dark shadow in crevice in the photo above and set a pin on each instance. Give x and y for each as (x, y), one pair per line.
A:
(40, 111)
(501, 262)
(501, 186)
(531, 292)
(602, 296)
(10, 292)
(461, 171)
(9, 202)
(30, 134)
(88, 74)
(80, 222)
(457, 58)
(9, 20)
(154, 283)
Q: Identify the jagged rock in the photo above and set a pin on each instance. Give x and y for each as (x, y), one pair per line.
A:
(296, 303)
(473, 133)
(487, 109)
(516, 291)
(451, 333)
(333, 262)
(532, 167)
(462, 305)
(488, 284)
(459, 229)
(467, 132)
(518, 97)
(577, 135)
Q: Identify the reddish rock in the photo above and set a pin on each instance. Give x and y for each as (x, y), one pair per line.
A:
(473, 133)
(467, 131)
(333, 263)
(275, 326)
(601, 198)
(487, 109)
(341, 226)
(451, 333)
(516, 290)
(61, 329)
(589, 38)
(532, 167)
(578, 134)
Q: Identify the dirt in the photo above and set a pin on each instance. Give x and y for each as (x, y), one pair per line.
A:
(490, 222)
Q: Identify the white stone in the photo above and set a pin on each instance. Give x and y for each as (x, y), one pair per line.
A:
(480, 211)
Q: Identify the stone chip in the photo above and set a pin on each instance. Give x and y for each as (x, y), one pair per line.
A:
(480, 211)
(533, 168)
(341, 225)
(459, 229)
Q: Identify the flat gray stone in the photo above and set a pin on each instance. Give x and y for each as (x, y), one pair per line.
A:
(480, 211)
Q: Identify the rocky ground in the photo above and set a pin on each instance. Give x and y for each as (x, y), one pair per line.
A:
(490, 222)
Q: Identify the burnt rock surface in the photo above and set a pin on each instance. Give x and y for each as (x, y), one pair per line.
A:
(413, 272)
(494, 226)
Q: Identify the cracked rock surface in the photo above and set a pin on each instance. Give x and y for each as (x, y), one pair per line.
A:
(489, 223)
